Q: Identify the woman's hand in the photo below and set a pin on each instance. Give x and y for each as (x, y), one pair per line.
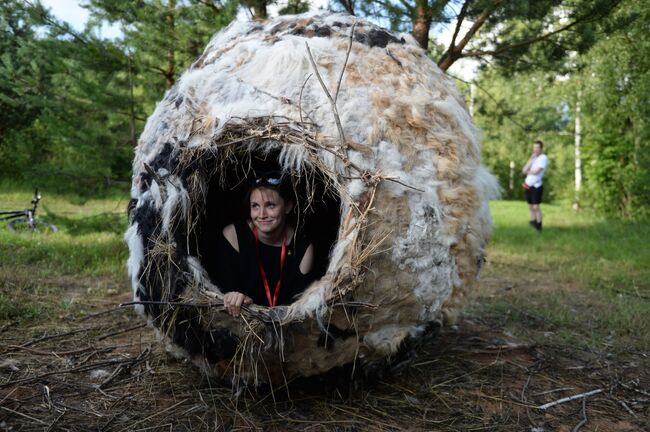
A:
(233, 300)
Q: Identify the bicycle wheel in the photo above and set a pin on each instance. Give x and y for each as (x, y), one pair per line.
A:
(22, 225)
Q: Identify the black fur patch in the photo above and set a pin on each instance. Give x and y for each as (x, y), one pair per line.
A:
(322, 31)
(214, 345)
(377, 38)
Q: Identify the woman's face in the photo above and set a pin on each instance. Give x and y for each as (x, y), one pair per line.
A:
(268, 210)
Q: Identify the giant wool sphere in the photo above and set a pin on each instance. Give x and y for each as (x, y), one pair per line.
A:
(386, 168)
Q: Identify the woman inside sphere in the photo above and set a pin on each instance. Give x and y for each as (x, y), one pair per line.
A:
(263, 260)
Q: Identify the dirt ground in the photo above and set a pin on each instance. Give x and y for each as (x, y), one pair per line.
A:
(104, 371)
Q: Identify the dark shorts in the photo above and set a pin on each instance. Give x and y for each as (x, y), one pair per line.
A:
(534, 195)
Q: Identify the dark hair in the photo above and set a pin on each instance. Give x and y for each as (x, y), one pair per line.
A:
(274, 180)
(541, 144)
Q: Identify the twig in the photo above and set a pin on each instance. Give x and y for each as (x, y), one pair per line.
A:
(403, 184)
(329, 96)
(24, 415)
(569, 398)
(121, 331)
(624, 405)
(355, 304)
(584, 416)
(388, 178)
(553, 391)
(53, 353)
(56, 336)
(96, 314)
(81, 410)
(154, 175)
(130, 427)
(168, 303)
(6, 326)
(300, 97)
(643, 392)
(67, 371)
(56, 420)
(345, 63)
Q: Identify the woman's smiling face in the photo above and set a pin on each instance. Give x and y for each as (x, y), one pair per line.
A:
(268, 210)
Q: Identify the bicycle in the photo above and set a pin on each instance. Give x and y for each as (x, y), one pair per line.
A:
(25, 220)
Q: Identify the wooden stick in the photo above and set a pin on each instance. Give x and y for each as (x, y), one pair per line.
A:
(329, 96)
(167, 303)
(153, 415)
(345, 63)
(584, 416)
(25, 415)
(117, 332)
(96, 314)
(569, 399)
(56, 336)
(554, 391)
(624, 405)
(69, 371)
(300, 97)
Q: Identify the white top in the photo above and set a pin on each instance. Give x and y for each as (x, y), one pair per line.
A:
(535, 180)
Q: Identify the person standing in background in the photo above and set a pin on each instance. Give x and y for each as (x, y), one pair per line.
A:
(533, 186)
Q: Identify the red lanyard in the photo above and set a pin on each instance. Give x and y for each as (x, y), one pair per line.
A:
(283, 255)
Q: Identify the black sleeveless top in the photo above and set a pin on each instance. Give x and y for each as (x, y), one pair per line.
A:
(239, 271)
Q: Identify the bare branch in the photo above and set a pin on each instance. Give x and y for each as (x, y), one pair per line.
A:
(522, 43)
(570, 398)
(459, 21)
(453, 53)
(327, 93)
(345, 63)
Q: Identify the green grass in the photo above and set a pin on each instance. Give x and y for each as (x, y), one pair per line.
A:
(609, 256)
(45, 274)
(585, 280)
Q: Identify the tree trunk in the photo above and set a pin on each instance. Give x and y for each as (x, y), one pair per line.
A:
(171, 48)
(259, 10)
(448, 59)
(349, 6)
(422, 23)
(578, 160)
(133, 138)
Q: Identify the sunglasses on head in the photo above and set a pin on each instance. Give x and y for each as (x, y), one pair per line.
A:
(273, 179)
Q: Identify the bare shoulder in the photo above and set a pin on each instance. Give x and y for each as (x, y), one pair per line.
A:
(307, 262)
(230, 233)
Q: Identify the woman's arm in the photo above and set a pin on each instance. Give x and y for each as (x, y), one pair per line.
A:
(307, 262)
(230, 233)
(232, 300)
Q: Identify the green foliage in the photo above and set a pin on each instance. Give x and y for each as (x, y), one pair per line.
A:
(294, 7)
(76, 103)
(515, 35)
(616, 82)
(610, 82)
(512, 112)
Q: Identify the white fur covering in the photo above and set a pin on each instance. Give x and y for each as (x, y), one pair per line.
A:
(393, 101)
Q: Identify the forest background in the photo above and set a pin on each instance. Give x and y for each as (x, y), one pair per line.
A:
(574, 73)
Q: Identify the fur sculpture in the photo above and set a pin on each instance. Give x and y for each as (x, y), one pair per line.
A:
(334, 100)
